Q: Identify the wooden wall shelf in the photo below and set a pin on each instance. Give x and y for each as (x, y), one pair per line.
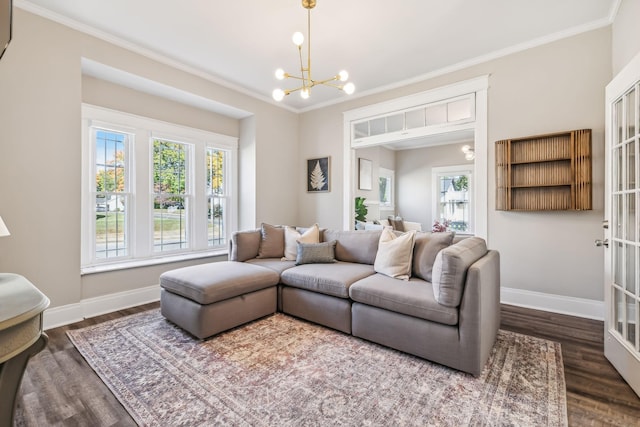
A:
(544, 172)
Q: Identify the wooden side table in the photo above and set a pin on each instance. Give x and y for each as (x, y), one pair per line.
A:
(21, 336)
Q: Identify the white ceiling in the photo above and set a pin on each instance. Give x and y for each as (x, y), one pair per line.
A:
(382, 43)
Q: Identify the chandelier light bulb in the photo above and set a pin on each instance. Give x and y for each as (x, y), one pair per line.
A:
(349, 88)
(278, 94)
(304, 76)
(297, 38)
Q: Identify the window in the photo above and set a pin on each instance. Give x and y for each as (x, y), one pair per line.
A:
(453, 197)
(170, 204)
(112, 193)
(217, 197)
(385, 186)
(153, 191)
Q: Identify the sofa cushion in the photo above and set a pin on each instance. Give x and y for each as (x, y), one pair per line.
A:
(244, 245)
(275, 264)
(292, 236)
(217, 281)
(426, 247)
(271, 241)
(355, 246)
(450, 269)
(413, 298)
(330, 279)
(316, 253)
(394, 254)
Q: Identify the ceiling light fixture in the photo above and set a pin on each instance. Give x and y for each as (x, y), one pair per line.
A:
(305, 72)
(469, 153)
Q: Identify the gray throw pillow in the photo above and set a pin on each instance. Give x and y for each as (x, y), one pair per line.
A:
(271, 241)
(426, 247)
(396, 223)
(244, 245)
(316, 253)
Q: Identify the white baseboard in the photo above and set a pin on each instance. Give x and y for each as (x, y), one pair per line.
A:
(580, 307)
(91, 307)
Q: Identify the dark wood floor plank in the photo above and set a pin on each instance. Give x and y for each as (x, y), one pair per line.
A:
(61, 389)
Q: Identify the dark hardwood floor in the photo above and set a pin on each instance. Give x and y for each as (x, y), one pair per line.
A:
(60, 389)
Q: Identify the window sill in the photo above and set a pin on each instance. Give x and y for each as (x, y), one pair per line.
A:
(136, 263)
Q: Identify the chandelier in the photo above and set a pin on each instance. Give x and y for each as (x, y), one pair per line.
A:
(305, 78)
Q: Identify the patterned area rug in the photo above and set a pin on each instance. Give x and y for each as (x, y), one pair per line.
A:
(280, 371)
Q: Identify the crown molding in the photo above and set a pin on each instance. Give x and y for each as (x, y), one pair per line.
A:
(147, 53)
(48, 14)
(540, 41)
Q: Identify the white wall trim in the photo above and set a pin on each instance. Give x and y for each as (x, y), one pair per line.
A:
(572, 306)
(479, 86)
(148, 53)
(91, 307)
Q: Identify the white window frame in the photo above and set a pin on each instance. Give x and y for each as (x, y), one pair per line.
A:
(436, 173)
(140, 167)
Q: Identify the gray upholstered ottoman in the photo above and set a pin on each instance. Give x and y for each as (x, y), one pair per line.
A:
(210, 298)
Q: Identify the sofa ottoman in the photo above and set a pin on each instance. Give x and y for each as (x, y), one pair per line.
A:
(211, 298)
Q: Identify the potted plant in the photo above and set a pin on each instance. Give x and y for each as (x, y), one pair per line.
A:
(361, 209)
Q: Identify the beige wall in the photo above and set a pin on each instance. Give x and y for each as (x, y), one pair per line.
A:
(555, 87)
(41, 91)
(625, 34)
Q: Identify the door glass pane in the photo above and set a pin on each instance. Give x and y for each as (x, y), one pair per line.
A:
(453, 208)
(617, 112)
(617, 264)
(631, 320)
(618, 310)
(630, 279)
(617, 169)
(631, 165)
(631, 116)
(631, 217)
(617, 215)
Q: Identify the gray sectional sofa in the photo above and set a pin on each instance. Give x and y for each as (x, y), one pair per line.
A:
(448, 311)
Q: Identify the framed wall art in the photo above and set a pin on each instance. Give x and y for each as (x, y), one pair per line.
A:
(318, 178)
(365, 168)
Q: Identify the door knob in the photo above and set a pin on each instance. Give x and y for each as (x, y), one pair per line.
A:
(604, 243)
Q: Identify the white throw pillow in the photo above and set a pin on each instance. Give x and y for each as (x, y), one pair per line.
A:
(395, 254)
(293, 236)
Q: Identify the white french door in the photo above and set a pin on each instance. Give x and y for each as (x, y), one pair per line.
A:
(622, 224)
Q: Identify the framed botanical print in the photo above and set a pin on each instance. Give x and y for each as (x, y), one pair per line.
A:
(318, 179)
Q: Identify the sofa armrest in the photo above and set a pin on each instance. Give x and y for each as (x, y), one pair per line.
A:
(244, 245)
(479, 314)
